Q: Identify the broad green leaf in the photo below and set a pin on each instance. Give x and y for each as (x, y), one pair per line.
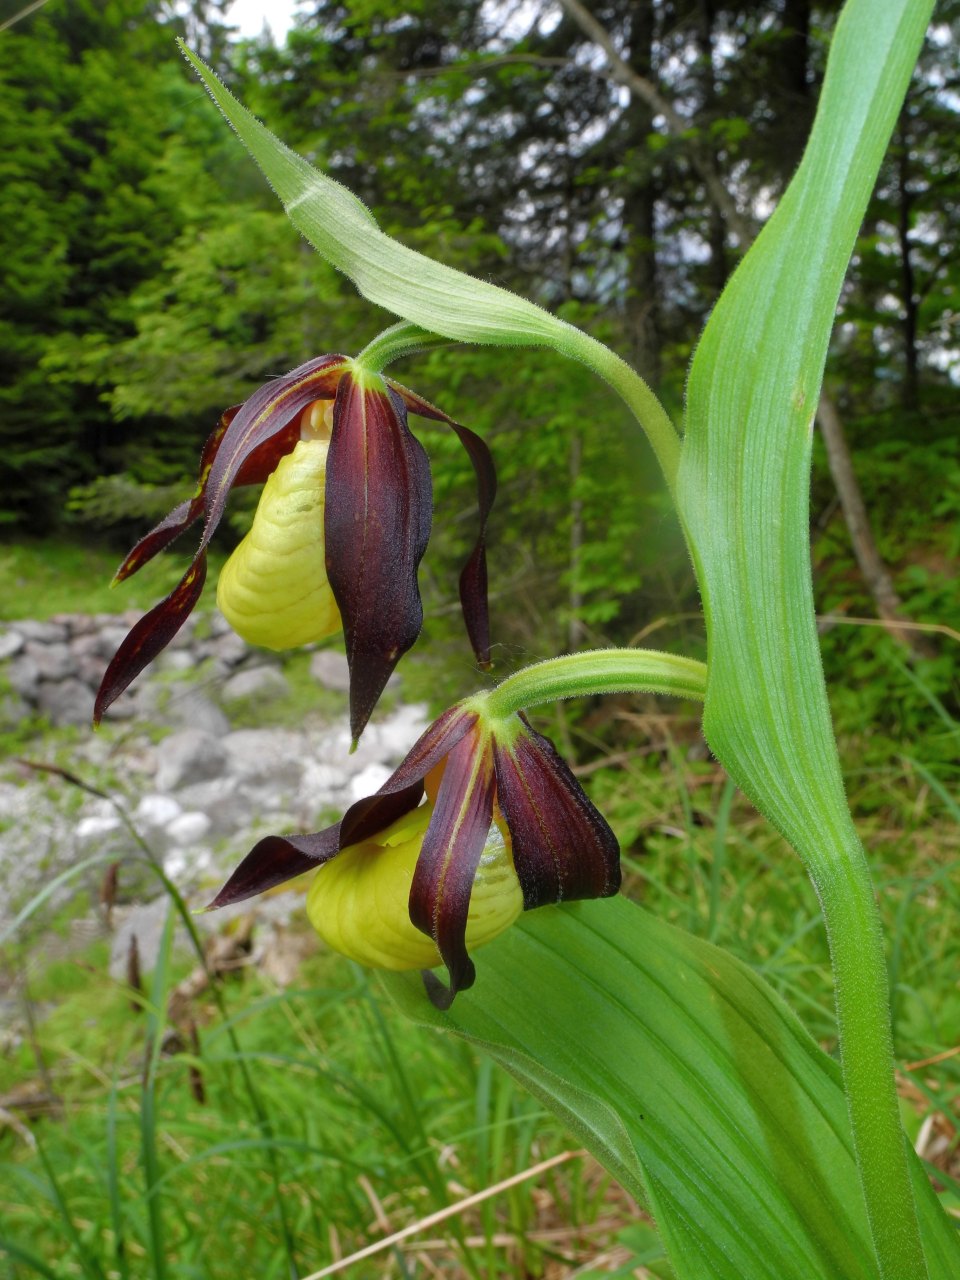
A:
(743, 494)
(436, 297)
(751, 401)
(689, 1078)
(344, 231)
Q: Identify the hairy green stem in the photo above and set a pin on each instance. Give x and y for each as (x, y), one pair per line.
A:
(638, 397)
(841, 877)
(578, 675)
(396, 342)
(405, 339)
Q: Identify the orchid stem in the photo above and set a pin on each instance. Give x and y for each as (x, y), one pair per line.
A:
(396, 342)
(405, 339)
(638, 397)
(578, 675)
(843, 883)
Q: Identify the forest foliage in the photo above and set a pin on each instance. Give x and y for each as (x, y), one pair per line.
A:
(150, 279)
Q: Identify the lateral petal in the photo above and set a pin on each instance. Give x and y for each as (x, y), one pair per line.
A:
(473, 577)
(276, 859)
(403, 790)
(182, 516)
(268, 412)
(443, 880)
(150, 636)
(562, 846)
(378, 514)
(255, 469)
(239, 451)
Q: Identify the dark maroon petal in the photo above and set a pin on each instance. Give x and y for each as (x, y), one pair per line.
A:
(562, 846)
(276, 859)
(473, 579)
(416, 404)
(182, 516)
(403, 790)
(255, 469)
(170, 527)
(279, 858)
(240, 451)
(377, 523)
(270, 411)
(443, 880)
(150, 636)
(261, 464)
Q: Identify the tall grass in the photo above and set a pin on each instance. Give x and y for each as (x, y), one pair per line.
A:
(369, 1125)
(44, 577)
(301, 1124)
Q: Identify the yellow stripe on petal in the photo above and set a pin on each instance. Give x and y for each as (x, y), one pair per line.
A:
(274, 590)
(358, 902)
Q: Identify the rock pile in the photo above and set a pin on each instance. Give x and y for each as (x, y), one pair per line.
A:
(185, 777)
(203, 793)
(52, 669)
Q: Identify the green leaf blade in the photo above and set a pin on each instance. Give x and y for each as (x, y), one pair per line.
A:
(743, 491)
(752, 397)
(340, 227)
(693, 1083)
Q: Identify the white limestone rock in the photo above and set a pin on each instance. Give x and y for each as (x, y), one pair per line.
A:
(189, 756)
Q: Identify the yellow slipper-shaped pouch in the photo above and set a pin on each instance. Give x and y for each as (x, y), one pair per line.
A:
(274, 590)
(359, 901)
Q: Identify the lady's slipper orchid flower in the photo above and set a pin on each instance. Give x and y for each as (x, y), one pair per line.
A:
(402, 884)
(339, 533)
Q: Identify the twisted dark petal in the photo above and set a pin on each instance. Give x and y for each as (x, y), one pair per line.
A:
(403, 790)
(377, 523)
(182, 516)
(443, 880)
(473, 578)
(416, 404)
(276, 859)
(260, 465)
(562, 846)
(170, 527)
(262, 418)
(150, 636)
(245, 447)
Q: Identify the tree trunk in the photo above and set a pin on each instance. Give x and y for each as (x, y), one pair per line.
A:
(911, 376)
(640, 215)
(874, 571)
(717, 229)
